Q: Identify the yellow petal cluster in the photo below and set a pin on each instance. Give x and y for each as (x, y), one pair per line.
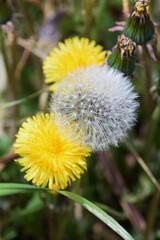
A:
(49, 154)
(68, 56)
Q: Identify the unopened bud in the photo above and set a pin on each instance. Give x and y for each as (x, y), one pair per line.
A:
(139, 26)
(123, 58)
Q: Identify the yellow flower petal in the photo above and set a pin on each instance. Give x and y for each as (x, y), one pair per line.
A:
(49, 153)
(70, 55)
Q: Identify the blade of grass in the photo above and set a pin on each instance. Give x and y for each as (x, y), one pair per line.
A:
(99, 213)
(22, 100)
(143, 165)
(15, 188)
(119, 215)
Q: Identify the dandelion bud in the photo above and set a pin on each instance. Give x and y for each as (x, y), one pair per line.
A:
(100, 101)
(139, 26)
(123, 58)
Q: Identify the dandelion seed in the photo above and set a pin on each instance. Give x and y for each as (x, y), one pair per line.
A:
(100, 101)
(49, 153)
(70, 55)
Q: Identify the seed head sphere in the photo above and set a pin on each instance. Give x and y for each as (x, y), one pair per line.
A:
(100, 101)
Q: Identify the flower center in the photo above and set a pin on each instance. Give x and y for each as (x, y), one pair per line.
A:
(56, 148)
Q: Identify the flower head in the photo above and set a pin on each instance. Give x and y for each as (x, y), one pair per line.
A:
(50, 154)
(123, 56)
(100, 101)
(70, 55)
(139, 26)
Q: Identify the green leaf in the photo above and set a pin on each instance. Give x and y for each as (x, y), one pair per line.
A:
(144, 189)
(14, 188)
(99, 213)
(111, 211)
(34, 205)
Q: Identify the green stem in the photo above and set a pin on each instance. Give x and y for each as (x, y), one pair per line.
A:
(22, 100)
(152, 129)
(87, 16)
(148, 100)
(143, 165)
(153, 211)
(111, 211)
(28, 20)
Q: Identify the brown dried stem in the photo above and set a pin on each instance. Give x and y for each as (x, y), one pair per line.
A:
(119, 188)
(126, 7)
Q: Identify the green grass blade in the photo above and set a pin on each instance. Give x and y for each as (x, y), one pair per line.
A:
(22, 100)
(99, 213)
(15, 188)
(111, 211)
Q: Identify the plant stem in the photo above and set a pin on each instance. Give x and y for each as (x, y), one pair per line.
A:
(22, 100)
(151, 131)
(119, 187)
(9, 49)
(143, 165)
(28, 20)
(126, 8)
(87, 16)
(148, 101)
(153, 211)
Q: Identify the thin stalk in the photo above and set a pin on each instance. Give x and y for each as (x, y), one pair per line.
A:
(22, 100)
(87, 16)
(28, 20)
(21, 63)
(152, 131)
(50, 219)
(10, 50)
(14, 84)
(153, 211)
(126, 7)
(148, 100)
(119, 187)
(30, 46)
(37, 63)
(15, 57)
(4, 53)
(111, 211)
(143, 165)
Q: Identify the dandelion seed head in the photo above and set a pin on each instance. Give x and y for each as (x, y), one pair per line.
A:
(100, 101)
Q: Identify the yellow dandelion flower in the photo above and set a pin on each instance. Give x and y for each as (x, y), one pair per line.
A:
(49, 154)
(70, 55)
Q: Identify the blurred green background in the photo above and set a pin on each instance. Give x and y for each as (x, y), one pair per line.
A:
(114, 180)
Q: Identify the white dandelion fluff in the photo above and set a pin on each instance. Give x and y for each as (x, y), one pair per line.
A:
(100, 101)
